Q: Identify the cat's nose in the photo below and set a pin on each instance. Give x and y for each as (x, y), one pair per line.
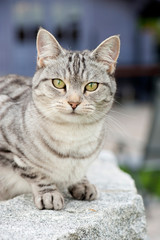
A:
(74, 104)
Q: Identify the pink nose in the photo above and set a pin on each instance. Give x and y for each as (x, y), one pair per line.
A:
(74, 104)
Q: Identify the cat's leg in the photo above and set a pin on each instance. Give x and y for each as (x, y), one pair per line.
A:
(83, 190)
(11, 184)
(47, 196)
(45, 193)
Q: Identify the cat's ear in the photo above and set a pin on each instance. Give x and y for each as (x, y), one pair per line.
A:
(107, 52)
(47, 47)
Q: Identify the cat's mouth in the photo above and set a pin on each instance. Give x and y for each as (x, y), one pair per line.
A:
(74, 113)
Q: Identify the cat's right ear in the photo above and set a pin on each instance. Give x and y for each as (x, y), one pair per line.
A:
(107, 52)
(47, 47)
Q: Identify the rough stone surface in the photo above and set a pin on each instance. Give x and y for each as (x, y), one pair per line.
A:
(118, 214)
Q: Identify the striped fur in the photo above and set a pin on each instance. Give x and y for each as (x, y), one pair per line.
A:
(44, 142)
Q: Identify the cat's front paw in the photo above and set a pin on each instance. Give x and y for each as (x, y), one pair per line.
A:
(49, 200)
(83, 191)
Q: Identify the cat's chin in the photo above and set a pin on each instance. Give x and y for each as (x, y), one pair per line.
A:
(72, 117)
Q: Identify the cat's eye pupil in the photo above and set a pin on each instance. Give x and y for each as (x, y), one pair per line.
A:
(92, 86)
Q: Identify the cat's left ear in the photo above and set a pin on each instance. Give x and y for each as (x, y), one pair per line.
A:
(107, 52)
(47, 47)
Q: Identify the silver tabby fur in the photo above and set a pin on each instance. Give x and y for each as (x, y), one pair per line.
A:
(45, 144)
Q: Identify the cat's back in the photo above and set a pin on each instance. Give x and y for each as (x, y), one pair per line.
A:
(14, 87)
(14, 92)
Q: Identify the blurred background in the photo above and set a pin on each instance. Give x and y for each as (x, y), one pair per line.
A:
(134, 121)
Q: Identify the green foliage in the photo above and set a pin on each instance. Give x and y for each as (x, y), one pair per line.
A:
(151, 24)
(146, 179)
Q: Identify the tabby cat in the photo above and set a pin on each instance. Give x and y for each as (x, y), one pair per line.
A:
(52, 126)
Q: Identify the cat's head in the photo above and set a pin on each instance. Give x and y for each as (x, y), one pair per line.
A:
(74, 86)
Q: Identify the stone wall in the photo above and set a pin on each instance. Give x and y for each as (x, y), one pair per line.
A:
(118, 214)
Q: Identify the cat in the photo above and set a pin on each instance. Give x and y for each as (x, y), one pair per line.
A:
(52, 127)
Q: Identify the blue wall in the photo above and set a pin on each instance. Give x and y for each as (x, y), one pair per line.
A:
(78, 25)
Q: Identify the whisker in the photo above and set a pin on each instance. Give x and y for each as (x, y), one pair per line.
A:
(115, 123)
(115, 101)
(113, 112)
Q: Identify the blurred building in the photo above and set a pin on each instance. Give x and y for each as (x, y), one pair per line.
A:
(77, 25)
(83, 24)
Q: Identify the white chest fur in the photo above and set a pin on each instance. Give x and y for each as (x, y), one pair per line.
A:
(74, 148)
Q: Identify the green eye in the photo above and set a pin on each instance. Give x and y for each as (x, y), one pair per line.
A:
(58, 83)
(92, 86)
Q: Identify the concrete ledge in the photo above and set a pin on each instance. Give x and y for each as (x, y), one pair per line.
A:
(118, 213)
